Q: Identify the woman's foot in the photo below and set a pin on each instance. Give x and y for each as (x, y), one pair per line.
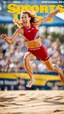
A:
(29, 85)
(59, 71)
(61, 76)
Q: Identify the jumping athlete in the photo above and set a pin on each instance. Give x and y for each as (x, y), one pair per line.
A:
(28, 27)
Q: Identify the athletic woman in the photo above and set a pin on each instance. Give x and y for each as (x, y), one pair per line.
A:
(28, 27)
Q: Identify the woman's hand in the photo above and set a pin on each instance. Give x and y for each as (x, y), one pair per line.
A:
(53, 14)
(13, 37)
(3, 36)
(50, 16)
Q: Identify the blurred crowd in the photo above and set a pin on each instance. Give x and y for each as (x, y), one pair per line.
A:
(11, 56)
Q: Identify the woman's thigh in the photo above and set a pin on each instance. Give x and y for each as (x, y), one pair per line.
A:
(29, 56)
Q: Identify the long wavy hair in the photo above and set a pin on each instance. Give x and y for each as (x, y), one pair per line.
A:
(31, 14)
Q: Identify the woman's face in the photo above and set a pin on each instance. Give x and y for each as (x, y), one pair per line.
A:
(25, 19)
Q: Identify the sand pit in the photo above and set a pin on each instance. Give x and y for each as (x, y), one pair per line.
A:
(32, 102)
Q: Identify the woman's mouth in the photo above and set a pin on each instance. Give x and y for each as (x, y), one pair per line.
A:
(25, 23)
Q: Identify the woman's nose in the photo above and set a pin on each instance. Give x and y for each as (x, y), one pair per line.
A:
(23, 18)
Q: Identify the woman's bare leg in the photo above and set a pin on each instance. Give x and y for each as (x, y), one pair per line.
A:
(27, 58)
(54, 67)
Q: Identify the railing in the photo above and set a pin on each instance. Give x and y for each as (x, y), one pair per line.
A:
(16, 81)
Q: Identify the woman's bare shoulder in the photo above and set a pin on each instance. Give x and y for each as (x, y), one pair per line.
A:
(20, 30)
(36, 24)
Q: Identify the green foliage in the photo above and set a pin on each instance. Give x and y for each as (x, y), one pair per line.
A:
(57, 36)
(3, 29)
(14, 28)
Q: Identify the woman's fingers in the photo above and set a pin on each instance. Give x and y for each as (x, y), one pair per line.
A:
(3, 36)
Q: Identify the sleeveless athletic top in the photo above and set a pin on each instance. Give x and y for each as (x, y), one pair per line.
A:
(31, 33)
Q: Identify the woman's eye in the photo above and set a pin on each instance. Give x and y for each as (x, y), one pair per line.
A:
(25, 17)
(22, 17)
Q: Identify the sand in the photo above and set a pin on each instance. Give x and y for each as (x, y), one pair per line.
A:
(32, 102)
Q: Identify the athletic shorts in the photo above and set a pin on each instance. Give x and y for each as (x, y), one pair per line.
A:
(40, 53)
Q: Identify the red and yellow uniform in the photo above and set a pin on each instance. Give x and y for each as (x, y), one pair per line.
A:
(34, 43)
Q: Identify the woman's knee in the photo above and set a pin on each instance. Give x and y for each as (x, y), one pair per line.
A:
(53, 67)
(49, 65)
(26, 56)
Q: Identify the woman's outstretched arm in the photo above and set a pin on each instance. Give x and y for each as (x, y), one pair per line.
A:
(50, 16)
(13, 37)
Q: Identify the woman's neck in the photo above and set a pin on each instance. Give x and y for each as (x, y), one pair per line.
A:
(28, 26)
